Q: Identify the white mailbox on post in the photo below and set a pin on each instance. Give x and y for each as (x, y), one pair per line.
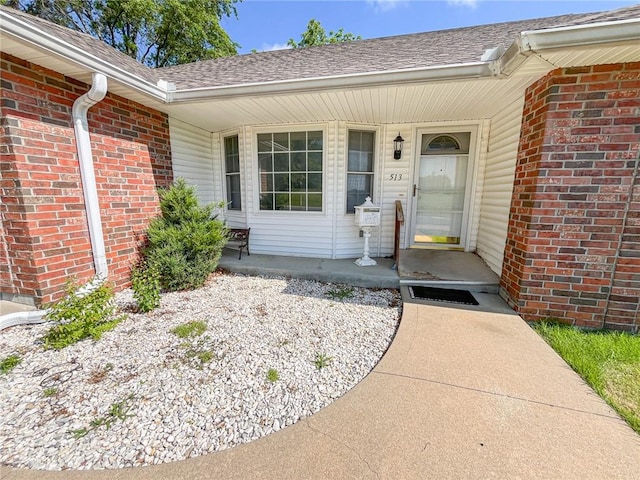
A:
(367, 217)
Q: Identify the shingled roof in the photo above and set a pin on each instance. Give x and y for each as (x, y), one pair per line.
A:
(403, 52)
(429, 49)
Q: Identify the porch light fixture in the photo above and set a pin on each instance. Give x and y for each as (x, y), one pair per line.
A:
(397, 147)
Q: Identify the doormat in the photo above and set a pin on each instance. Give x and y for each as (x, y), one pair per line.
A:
(442, 295)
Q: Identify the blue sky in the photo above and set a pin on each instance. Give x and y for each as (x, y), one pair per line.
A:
(267, 24)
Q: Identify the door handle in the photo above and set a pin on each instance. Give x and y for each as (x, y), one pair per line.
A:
(415, 187)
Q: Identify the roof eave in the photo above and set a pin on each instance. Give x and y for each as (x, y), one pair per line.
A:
(620, 31)
(31, 34)
(534, 42)
(359, 80)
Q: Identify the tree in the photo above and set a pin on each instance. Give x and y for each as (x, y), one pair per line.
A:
(157, 33)
(316, 35)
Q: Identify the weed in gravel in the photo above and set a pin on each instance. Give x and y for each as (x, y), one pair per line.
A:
(322, 360)
(84, 312)
(196, 354)
(272, 375)
(190, 329)
(340, 293)
(99, 374)
(145, 282)
(117, 411)
(9, 363)
(50, 392)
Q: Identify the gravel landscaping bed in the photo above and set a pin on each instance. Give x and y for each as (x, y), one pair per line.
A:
(142, 395)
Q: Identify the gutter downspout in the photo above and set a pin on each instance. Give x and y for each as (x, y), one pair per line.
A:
(79, 114)
(85, 156)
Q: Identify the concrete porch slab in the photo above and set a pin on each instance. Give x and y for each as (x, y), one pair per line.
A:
(446, 269)
(344, 271)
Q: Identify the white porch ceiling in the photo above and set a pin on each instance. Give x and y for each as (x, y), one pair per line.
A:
(413, 103)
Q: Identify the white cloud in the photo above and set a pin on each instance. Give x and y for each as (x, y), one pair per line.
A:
(464, 3)
(267, 47)
(380, 6)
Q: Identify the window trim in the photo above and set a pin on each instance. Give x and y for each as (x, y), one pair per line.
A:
(275, 129)
(375, 174)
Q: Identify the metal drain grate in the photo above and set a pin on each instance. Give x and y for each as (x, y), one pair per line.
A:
(447, 295)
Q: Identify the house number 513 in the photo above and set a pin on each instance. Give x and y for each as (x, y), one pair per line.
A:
(395, 177)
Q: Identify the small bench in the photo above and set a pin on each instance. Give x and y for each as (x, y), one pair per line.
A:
(239, 237)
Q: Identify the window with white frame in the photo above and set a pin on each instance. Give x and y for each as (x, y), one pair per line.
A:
(232, 172)
(359, 168)
(290, 171)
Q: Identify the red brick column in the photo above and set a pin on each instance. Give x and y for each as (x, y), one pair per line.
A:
(573, 242)
(41, 202)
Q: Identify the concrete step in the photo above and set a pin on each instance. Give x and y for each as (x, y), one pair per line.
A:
(472, 286)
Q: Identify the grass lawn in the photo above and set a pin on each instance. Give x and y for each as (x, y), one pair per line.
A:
(608, 361)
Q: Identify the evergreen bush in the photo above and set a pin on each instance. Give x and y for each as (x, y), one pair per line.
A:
(185, 242)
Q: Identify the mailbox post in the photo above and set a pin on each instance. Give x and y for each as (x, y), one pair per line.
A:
(367, 217)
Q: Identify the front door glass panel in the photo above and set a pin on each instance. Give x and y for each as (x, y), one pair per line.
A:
(440, 189)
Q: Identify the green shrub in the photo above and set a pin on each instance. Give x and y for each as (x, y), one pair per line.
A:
(185, 242)
(81, 315)
(145, 281)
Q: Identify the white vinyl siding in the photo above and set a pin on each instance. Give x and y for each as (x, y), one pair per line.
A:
(348, 243)
(479, 178)
(498, 184)
(396, 181)
(192, 159)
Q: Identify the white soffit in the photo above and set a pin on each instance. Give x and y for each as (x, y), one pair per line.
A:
(593, 56)
(412, 103)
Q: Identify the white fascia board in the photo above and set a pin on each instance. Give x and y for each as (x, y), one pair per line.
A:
(30, 34)
(621, 31)
(532, 42)
(429, 74)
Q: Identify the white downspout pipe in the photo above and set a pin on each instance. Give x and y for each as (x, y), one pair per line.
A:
(80, 108)
(79, 114)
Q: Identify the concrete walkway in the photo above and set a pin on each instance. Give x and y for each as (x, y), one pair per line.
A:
(459, 394)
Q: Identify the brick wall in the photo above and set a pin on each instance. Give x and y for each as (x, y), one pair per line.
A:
(42, 206)
(573, 243)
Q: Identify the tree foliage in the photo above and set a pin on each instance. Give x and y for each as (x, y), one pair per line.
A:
(315, 34)
(157, 33)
